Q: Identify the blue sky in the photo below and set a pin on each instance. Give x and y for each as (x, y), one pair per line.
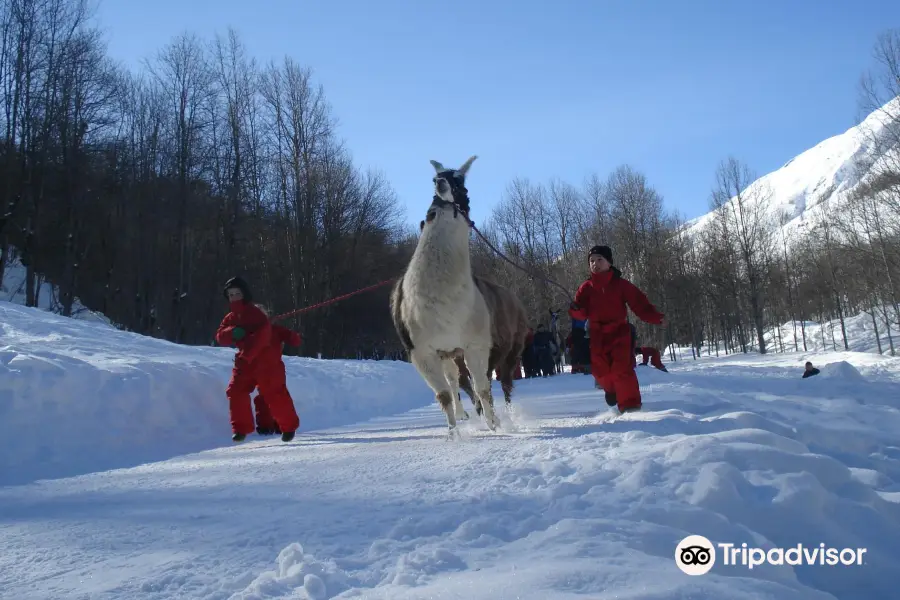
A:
(553, 89)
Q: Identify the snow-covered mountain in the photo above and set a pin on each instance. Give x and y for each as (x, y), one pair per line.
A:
(816, 182)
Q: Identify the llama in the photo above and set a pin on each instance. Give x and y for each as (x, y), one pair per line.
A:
(510, 327)
(439, 312)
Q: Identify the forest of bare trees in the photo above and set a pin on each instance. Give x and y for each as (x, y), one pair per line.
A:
(140, 193)
(731, 283)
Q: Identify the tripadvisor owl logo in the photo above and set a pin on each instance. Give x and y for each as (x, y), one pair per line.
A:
(695, 555)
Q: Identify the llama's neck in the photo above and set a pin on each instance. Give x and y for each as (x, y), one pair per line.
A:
(442, 255)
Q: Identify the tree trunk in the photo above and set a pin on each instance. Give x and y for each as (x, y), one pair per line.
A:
(875, 329)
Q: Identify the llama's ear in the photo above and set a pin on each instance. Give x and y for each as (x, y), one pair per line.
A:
(438, 167)
(465, 168)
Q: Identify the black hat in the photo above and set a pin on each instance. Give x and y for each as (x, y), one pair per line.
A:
(237, 282)
(604, 251)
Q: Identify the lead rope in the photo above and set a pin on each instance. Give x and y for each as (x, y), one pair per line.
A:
(521, 268)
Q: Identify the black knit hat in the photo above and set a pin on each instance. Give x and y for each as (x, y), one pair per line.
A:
(604, 251)
(237, 282)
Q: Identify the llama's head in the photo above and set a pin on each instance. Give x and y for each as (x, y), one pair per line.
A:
(450, 191)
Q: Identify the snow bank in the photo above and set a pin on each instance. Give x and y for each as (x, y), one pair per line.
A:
(77, 397)
(842, 371)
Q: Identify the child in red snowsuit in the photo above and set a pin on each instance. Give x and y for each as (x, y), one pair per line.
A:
(257, 363)
(603, 300)
(265, 422)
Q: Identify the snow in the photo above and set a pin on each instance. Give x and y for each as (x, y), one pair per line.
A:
(120, 480)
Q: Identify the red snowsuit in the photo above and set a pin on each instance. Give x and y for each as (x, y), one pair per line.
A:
(652, 354)
(602, 300)
(280, 336)
(257, 363)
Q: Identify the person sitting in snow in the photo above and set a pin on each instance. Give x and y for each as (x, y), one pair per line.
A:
(265, 422)
(604, 300)
(257, 364)
(810, 370)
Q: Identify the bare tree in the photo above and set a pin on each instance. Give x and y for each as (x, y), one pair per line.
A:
(879, 104)
(130, 190)
(185, 80)
(747, 210)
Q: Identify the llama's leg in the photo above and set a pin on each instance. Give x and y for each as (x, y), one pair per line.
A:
(465, 384)
(430, 367)
(510, 362)
(452, 373)
(459, 409)
(477, 362)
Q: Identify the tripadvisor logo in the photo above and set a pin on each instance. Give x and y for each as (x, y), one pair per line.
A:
(696, 555)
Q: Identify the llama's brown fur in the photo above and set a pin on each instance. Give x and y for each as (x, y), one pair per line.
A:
(509, 327)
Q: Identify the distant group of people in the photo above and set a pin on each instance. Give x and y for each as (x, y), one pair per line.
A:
(539, 355)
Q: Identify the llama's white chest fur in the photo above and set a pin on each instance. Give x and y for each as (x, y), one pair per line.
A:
(441, 306)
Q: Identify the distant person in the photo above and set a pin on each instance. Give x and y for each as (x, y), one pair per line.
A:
(543, 345)
(579, 350)
(810, 370)
(604, 300)
(647, 353)
(652, 354)
(257, 364)
(528, 361)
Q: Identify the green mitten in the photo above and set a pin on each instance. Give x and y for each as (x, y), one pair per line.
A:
(238, 333)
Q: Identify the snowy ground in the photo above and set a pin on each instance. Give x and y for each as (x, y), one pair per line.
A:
(563, 504)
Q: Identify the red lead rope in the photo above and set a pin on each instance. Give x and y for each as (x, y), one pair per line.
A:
(332, 301)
